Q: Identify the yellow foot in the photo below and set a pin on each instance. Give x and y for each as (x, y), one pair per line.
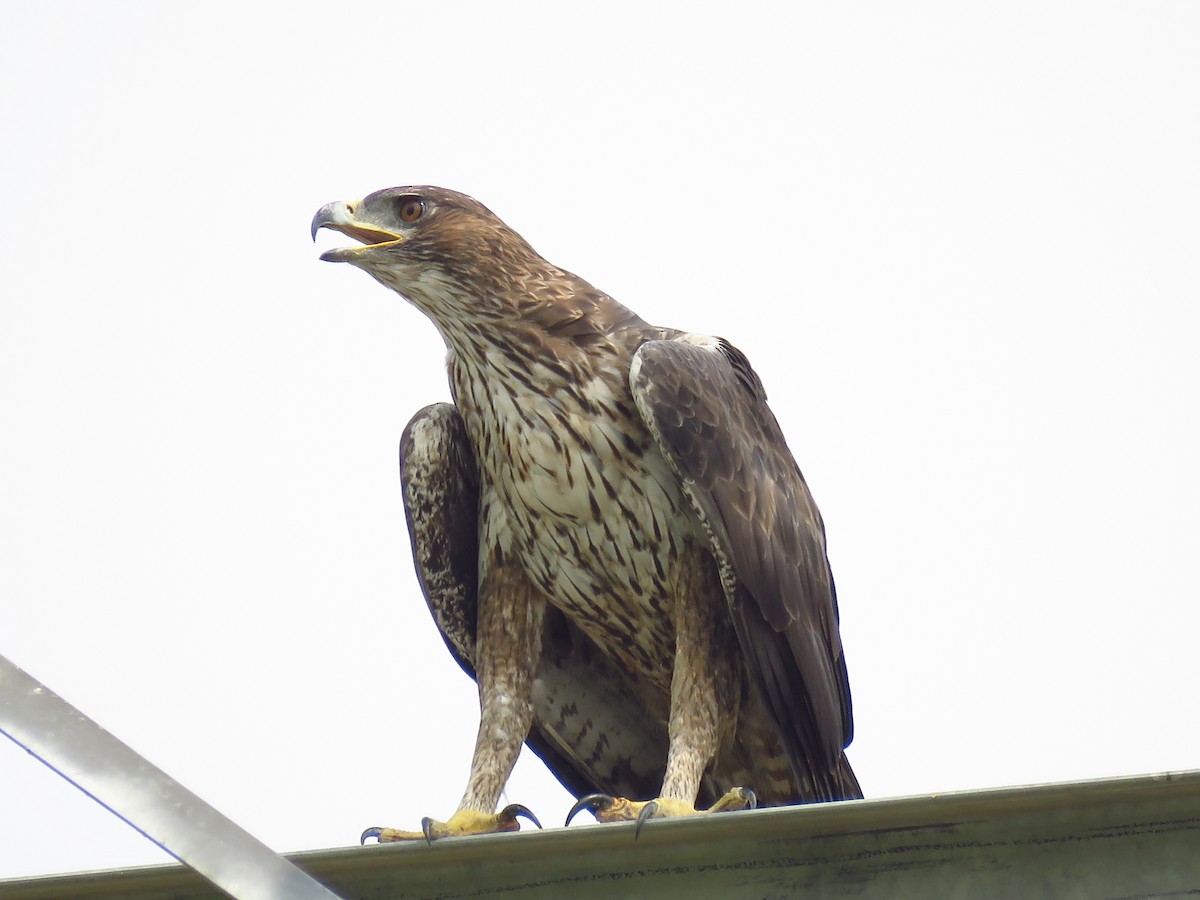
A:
(618, 809)
(465, 821)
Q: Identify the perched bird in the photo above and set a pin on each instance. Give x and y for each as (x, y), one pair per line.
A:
(611, 533)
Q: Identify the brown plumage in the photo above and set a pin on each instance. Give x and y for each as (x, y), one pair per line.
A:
(609, 529)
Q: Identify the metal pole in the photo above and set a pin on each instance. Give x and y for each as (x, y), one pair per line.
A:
(143, 796)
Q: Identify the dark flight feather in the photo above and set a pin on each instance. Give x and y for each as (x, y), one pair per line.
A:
(708, 413)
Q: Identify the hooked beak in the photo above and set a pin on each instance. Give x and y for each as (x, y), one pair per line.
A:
(340, 216)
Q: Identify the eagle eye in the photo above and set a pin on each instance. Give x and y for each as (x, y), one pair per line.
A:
(411, 209)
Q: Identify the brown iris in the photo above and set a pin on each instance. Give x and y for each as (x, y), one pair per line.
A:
(411, 210)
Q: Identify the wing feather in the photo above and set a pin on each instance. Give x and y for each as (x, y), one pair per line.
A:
(708, 413)
(440, 485)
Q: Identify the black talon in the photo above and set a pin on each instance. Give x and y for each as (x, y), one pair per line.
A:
(647, 813)
(427, 830)
(515, 810)
(372, 832)
(750, 797)
(593, 803)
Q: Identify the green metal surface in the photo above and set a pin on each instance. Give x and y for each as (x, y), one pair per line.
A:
(1118, 838)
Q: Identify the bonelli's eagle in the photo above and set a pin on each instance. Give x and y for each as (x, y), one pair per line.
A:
(611, 533)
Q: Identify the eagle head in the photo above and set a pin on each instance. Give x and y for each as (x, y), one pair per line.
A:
(444, 251)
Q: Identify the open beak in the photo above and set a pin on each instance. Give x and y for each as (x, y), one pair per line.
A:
(340, 216)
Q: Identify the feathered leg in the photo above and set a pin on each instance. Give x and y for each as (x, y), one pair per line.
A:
(704, 692)
(508, 645)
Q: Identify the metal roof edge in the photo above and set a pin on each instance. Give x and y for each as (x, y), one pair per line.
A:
(1115, 837)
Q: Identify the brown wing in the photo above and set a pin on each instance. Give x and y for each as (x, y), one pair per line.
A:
(441, 503)
(588, 728)
(708, 413)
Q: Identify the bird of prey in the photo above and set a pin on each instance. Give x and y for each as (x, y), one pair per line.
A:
(611, 533)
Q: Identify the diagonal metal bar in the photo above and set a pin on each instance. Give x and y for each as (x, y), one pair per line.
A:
(143, 796)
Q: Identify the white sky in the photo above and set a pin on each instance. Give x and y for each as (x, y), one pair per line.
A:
(958, 241)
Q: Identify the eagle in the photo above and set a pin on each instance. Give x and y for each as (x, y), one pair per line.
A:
(612, 536)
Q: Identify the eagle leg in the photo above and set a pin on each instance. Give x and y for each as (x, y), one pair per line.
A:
(507, 647)
(619, 809)
(463, 822)
(703, 684)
